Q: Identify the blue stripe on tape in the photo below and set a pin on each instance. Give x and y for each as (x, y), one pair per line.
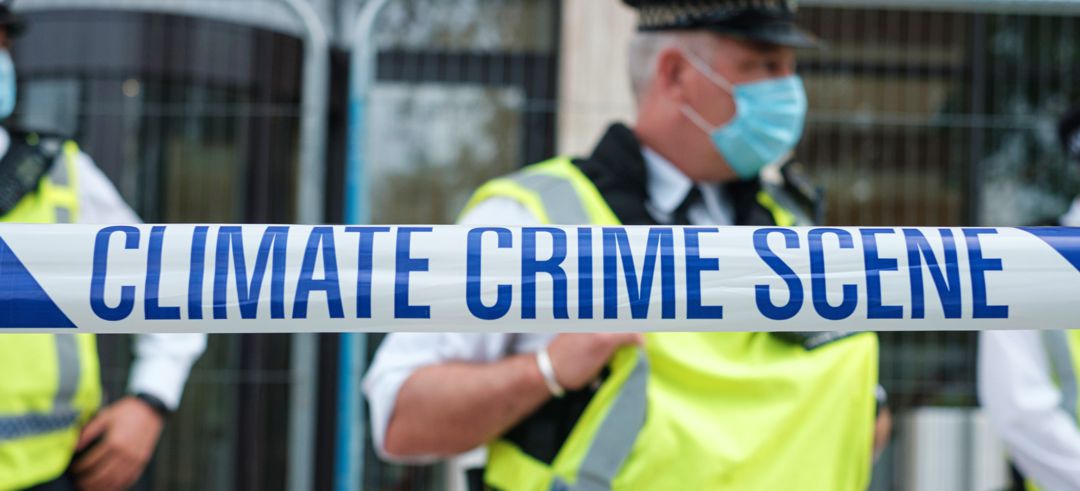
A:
(1064, 240)
(23, 303)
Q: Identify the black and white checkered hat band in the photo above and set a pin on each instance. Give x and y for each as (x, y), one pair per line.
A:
(694, 12)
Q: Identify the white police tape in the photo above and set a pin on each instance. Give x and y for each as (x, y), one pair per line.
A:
(245, 279)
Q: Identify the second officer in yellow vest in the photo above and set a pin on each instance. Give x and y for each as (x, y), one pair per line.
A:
(1028, 382)
(720, 109)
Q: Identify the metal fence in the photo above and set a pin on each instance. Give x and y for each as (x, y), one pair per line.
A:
(195, 120)
(939, 117)
(931, 116)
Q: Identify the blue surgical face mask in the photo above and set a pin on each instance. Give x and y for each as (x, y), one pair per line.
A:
(768, 122)
(7, 85)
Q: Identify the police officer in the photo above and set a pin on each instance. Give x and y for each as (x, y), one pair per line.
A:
(1028, 383)
(720, 108)
(50, 390)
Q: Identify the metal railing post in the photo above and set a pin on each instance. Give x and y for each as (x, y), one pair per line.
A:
(351, 433)
(311, 181)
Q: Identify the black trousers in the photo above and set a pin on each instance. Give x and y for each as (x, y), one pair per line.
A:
(62, 483)
(1018, 478)
(67, 483)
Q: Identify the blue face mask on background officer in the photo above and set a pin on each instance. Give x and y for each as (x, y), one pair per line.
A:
(7, 84)
(13, 28)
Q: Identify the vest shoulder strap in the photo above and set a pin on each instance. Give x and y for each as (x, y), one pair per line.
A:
(555, 192)
(595, 450)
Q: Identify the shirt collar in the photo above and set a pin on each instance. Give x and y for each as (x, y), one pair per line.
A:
(667, 185)
(5, 141)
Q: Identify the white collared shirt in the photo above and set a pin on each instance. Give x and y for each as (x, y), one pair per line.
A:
(401, 354)
(1023, 404)
(1072, 217)
(162, 361)
(668, 187)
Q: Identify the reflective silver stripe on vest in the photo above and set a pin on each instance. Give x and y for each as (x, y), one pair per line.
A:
(616, 436)
(64, 415)
(15, 427)
(67, 356)
(63, 214)
(558, 197)
(59, 174)
(1061, 360)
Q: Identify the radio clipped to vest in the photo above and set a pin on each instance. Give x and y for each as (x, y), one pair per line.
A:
(28, 159)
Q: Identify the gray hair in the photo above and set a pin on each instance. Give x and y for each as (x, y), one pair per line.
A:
(646, 47)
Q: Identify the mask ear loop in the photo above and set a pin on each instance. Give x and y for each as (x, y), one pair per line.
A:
(704, 69)
(707, 71)
(697, 119)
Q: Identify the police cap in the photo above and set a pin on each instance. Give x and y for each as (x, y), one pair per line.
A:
(768, 21)
(13, 23)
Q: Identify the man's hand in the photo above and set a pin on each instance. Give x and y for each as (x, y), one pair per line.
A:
(129, 431)
(882, 431)
(449, 408)
(579, 358)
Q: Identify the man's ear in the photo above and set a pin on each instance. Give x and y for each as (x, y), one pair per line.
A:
(671, 74)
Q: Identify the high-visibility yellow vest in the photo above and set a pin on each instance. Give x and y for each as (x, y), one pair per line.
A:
(49, 384)
(1063, 353)
(727, 411)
